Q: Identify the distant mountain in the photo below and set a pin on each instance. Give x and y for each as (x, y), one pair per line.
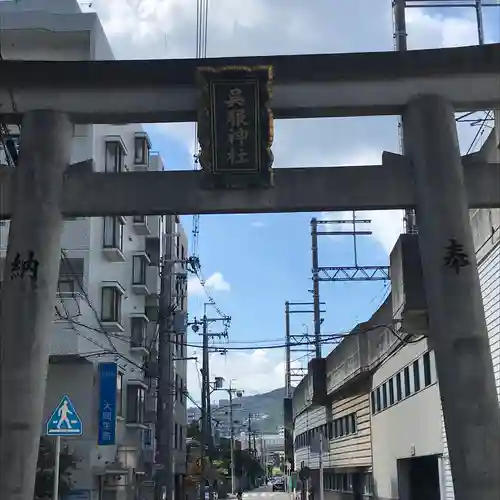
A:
(269, 406)
(267, 409)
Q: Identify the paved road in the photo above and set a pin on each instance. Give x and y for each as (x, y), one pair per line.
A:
(265, 492)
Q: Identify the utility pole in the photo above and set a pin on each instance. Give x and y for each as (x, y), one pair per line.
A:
(315, 277)
(288, 381)
(401, 45)
(206, 420)
(249, 433)
(293, 343)
(166, 382)
(239, 393)
(206, 427)
(29, 294)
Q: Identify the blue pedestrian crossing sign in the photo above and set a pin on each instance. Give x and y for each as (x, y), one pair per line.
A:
(64, 421)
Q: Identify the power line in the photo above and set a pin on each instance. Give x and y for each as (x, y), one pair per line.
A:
(328, 338)
(76, 277)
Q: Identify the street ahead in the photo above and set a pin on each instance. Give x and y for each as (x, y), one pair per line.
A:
(265, 493)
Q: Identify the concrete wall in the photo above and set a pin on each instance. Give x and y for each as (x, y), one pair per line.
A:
(408, 428)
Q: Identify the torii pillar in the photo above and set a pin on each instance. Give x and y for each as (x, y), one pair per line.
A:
(29, 294)
(457, 326)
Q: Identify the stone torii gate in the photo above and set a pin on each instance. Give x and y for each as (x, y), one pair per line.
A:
(426, 87)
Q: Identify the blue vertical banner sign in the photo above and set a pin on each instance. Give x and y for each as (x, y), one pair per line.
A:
(108, 375)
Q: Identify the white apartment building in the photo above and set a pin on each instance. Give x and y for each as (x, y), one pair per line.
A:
(376, 399)
(107, 305)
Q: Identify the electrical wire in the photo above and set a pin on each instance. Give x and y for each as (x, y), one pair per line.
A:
(325, 340)
(76, 277)
(201, 52)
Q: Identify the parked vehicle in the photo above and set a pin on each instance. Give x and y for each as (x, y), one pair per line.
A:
(279, 484)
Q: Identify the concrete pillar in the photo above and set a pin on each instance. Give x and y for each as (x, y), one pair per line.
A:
(28, 296)
(457, 327)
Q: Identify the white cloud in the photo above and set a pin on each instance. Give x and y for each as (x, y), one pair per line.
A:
(215, 282)
(427, 29)
(258, 223)
(386, 225)
(254, 371)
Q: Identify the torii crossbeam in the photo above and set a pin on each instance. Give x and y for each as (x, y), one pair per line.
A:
(427, 87)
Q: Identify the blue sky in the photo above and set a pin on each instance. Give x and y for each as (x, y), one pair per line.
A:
(266, 259)
(263, 260)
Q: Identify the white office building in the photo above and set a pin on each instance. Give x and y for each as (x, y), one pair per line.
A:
(107, 306)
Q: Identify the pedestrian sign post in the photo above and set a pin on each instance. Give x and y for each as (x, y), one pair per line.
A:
(64, 421)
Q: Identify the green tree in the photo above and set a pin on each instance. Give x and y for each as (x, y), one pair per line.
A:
(245, 464)
(193, 430)
(45, 469)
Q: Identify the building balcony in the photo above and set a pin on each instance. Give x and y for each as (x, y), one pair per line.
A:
(113, 254)
(138, 334)
(142, 148)
(153, 245)
(136, 399)
(141, 225)
(111, 304)
(112, 244)
(140, 264)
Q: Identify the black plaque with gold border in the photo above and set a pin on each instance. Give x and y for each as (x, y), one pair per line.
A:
(235, 126)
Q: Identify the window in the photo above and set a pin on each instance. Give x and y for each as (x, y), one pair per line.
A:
(379, 403)
(181, 437)
(427, 369)
(135, 404)
(9, 154)
(373, 402)
(416, 375)
(352, 423)
(391, 391)
(147, 438)
(119, 395)
(399, 391)
(66, 287)
(406, 372)
(111, 302)
(141, 150)
(139, 265)
(139, 219)
(113, 233)
(175, 436)
(182, 396)
(368, 484)
(342, 426)
(384, 396)
(137, 332)
(114, 157)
